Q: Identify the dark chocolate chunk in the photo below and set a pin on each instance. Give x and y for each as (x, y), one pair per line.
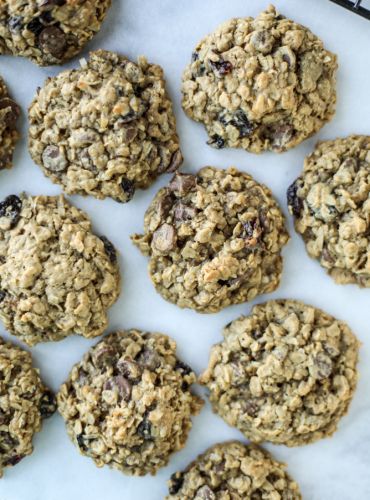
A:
(53, 40)
(12, 112)
(11, 208)
(182, 183)
(149, 359)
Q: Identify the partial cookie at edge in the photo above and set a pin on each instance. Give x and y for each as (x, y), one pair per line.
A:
(9, 135)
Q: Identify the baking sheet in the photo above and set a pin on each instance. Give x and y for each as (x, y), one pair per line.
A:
(166, 32)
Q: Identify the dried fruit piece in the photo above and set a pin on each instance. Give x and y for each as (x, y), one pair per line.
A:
(109, 249)
(295, 203)
(221, 67)
(128, 187)
(10, 209)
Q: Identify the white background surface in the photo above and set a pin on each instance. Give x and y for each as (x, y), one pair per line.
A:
(166, 32)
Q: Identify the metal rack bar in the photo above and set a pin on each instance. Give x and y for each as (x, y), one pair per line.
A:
(354, 6)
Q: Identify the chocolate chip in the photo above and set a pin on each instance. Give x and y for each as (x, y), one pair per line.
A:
(176, 482)
(253, 232)
(176, 161)
(144, 429)
(128, 188)
(15, 24)
(53, 159)
(262, 41)
(149, 359)
(184, 212)
(11, 208)
(280, 136)
(47, 405)
(12, 111)
(294, 201)
(216, 141)
(121, 384)
(324, 366)
(221, 67)
(129, 369)
(164, 204)
(205, 493)
(183, 367)
(53, 41)
(35, 26)
(164, 238)
(103, 355)
(250, 407)
(109, 249)
(182, 183)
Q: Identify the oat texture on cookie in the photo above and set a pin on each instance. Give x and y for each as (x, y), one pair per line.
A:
(105, 129)
(214, 239)
(233, 470)
(128, 403)
(286, 373)
(9, 113)
(57, 278)
(331, 206)
(49, 31)
(260, 84)
(24, 403)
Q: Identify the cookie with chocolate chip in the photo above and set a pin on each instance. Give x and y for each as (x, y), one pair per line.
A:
(286, 373)
(214, 239)
(260, 84)
(128, 403)
(49, 31)
(105, 129)
(233, 470)
(331, 207)
(57, 278)
(24, 403)
(9, 113)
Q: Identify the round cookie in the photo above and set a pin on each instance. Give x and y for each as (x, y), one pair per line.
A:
(128, 403)
(49, 31)
(233, 470)
(105, 129)
(24, 403)
(56, 277)
(214, 239)
(260, 84)
(331, 205)
(9, 113)
(286, 373)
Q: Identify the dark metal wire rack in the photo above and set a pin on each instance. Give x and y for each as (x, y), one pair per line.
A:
(354, 6)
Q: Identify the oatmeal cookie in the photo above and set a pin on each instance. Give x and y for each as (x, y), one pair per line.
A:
(233, 470)
(49, 31)
(24, 403)
(214, 239)
(260, 84)
(56, 277)
(9, 112)
(105, 129)
(330, 201)
(128, 403)
(286, 373)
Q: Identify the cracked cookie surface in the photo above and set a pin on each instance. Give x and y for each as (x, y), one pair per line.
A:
(233, 470)
(260, 84)
(128, 403)
(57, 278)
(330, 201)
(9, 113)
(24, 403)
(49, 31)
(214, 239)
(105, 129)
(286, 373)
